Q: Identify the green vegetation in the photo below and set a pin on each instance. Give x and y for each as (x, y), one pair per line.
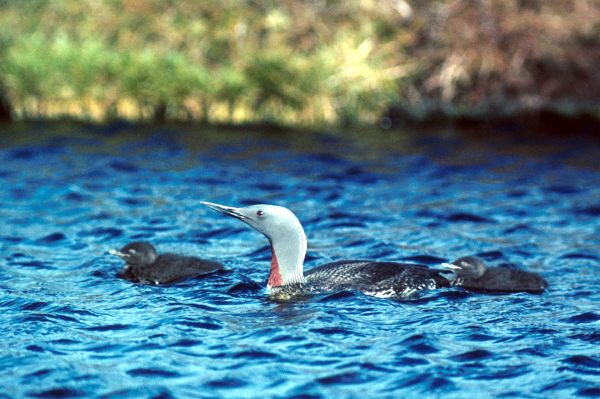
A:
(299, 63)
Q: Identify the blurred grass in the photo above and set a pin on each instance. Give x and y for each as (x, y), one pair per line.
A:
(299, 63)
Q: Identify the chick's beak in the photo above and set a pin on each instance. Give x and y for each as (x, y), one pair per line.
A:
(451, 266)
(117, 253)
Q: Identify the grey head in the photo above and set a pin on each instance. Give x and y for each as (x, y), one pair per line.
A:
(467, 267)
(137, 253)
(271, 220)
(285, 233)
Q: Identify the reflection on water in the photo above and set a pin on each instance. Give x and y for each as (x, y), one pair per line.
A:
(71, 329)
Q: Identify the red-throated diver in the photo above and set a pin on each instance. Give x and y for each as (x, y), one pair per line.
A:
(144, 265)
(288, 247)
(473, 274)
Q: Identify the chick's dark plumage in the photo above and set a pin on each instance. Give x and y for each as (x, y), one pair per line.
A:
(144, 265)
(473, 274)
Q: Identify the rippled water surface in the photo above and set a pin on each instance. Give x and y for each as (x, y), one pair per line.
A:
(70, 328)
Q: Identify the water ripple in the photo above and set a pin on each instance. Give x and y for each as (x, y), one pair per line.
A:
(70, 328)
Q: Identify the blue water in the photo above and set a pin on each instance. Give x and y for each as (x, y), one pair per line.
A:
(70, 328)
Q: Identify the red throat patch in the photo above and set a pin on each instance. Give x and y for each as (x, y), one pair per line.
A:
(274, 275)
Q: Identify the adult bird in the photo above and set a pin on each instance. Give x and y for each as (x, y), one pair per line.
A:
(473, 274)
(287, 276)
(144, 265)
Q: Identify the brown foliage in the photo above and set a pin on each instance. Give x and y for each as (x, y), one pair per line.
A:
(486, 55)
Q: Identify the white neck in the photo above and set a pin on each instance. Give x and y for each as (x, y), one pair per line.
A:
(289, 248)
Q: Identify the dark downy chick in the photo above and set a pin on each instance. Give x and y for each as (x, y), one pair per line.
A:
(144, 265)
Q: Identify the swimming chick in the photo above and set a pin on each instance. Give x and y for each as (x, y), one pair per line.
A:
(473, 274)
(288, 248)
(144, 265)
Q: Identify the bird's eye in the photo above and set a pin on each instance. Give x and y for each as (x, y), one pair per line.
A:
(131, 251)
(259, 213)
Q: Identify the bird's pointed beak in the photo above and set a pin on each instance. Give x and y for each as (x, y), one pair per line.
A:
(450, 266)
(117, 253)
(226, 210)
